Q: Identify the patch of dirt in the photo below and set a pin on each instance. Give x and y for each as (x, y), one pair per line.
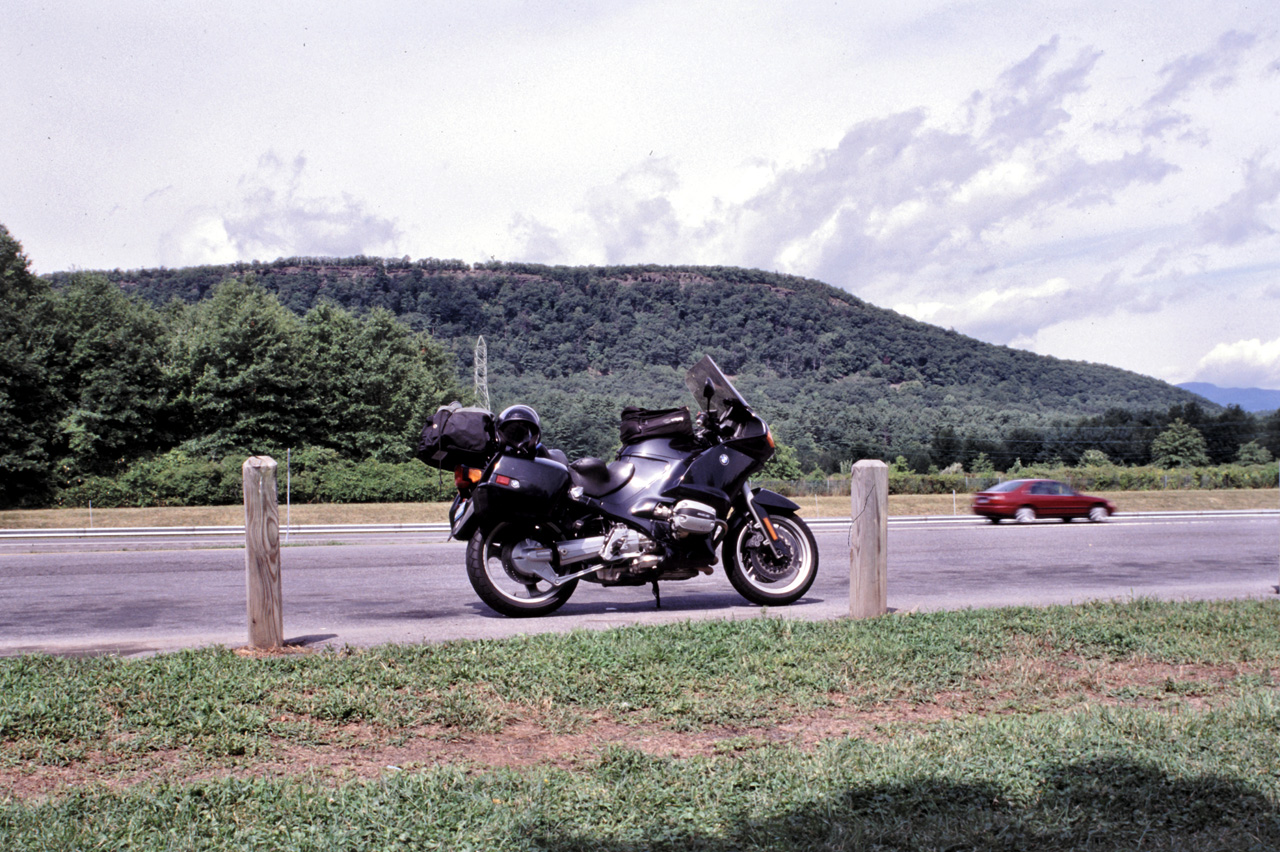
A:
(1017, 684)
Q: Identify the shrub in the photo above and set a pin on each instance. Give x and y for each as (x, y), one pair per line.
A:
(311, 475)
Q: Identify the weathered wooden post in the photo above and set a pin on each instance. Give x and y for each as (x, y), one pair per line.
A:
(869, 540)
(262, 553)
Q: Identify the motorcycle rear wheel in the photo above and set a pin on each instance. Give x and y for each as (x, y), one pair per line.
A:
(757, 574)
(495, 574)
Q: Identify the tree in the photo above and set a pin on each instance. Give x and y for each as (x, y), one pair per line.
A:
(1180, 445)
(981, 464)
(110, 368)
(1253, 453)
(370, 382)
(581, 424)
(238, 364)
(1224, 435)
(29, 399)
(946, 447)
(784, 465)
(1271, 433)
(1093, 457)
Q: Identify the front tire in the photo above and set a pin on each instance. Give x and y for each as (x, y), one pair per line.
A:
(1098, 514)
(757, 574)
(1025, 515)
(494, 569)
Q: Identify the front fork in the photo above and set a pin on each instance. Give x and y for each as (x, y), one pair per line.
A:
(761, 515)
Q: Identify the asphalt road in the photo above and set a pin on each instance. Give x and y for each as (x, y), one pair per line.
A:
(137, 596)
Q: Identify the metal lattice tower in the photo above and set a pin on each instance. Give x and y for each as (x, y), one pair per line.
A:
(482, 374)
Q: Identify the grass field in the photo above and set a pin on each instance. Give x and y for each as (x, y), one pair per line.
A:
(422, 513)
(1141, 725)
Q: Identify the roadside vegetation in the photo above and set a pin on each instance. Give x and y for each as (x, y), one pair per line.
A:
(1105, 726)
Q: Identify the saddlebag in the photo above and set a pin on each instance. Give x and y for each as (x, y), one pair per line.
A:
(639, 424)
(528, 488)
(457, 436)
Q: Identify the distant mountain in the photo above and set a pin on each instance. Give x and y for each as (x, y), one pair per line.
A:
(837, 377)
(1250, 399)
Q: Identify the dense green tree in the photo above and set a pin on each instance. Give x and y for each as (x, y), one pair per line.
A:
(1094, 457)
(1226, 433)
(110, 368)
(239, 367)
(1253, 453)
(29, 399)
(1271, 433)
(369, 382)
(1180, 445)
(581, 424)
(785, 464)
(946, 447)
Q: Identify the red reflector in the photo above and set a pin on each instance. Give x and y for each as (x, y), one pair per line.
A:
(502, 480)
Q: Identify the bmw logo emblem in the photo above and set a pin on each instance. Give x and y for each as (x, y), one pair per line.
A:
(724, 459)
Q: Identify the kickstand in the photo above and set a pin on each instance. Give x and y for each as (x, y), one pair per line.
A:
(657, 596)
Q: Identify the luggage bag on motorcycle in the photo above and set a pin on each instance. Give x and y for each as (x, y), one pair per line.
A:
(517, 487)
(639, 424)
(457, 436)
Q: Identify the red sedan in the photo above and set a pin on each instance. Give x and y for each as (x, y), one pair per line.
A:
(1027, 499)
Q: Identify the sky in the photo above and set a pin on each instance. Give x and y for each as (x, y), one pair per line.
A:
(1096, 181)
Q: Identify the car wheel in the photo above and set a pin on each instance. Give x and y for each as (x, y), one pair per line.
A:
(1098, 514)
(1025, 515)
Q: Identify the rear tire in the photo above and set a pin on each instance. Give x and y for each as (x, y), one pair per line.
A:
(493, 567)
(757, 575)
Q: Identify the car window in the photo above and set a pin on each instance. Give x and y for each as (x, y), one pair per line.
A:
(1011, 485)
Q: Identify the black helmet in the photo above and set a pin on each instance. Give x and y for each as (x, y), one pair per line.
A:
(519, 429)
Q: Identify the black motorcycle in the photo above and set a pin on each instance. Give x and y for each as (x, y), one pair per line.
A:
(676, 496)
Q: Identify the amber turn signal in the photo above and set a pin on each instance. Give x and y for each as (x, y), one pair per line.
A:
(465, 477)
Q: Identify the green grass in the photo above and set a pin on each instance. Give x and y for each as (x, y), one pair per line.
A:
(1144, 725)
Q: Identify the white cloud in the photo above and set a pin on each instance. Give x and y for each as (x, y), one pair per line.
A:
(203, 240)
(950, 158)
(1244, 215)
(1244, 363)
(273, 216)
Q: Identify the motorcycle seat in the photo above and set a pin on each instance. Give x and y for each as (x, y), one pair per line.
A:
(597, 479)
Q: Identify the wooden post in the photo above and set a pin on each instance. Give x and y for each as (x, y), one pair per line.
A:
(262, 553)
(869, 540)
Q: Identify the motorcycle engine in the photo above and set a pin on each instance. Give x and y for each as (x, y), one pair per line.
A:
(693, 518)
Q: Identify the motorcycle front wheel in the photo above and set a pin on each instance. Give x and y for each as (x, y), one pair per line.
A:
(497, 566)
(763, 578)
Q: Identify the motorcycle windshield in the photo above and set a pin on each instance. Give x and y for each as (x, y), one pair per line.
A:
(712, 388)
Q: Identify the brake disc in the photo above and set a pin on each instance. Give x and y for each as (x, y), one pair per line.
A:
(764, 564)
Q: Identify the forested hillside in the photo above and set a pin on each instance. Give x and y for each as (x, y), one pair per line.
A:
(839, 378)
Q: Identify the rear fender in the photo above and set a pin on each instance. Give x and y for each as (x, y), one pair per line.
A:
(463, 519)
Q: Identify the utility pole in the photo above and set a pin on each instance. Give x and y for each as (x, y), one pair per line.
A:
(482, 374)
